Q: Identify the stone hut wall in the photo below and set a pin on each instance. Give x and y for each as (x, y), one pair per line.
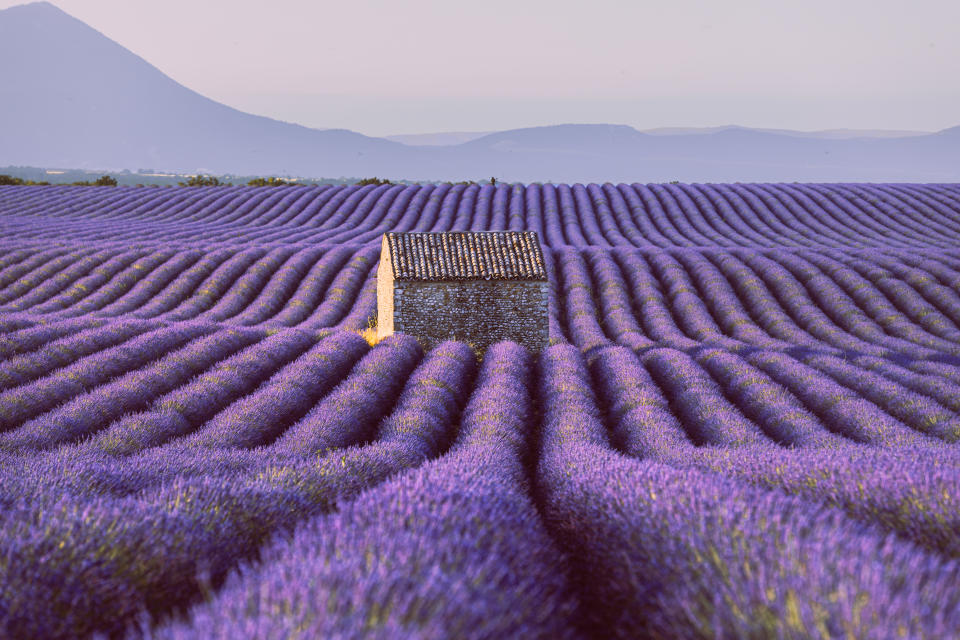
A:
(481, 312)
(384, 293)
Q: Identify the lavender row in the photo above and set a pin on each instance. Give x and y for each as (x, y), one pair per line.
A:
(28, 261)
(352, 286)
(682, 215)
(240, 287)
(930, 301)
(921, 413)
(699, 403)
(10, 325)
(912, 491)
(830, 297)
(78, 341)
(895, 306)
(351, 411)
(764, 398)
(29, 400)
(742, 561)
(822, 309)
(158, 549)
(227, 285)
(182, 410)
(453, 549)
(92, 295)
(772, 299)
(52, 273)
(97, 281)
(90, 412)
(683, 299)
(23, 336)
(263, 415)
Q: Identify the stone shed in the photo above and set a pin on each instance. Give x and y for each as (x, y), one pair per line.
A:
(479, 287)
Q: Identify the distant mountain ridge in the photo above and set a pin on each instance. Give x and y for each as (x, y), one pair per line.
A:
(439, 139)
(443, 138)
(826, 134)
(71, 97)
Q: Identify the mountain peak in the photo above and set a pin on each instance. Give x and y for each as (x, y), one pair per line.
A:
(76, 98)
(38, 8)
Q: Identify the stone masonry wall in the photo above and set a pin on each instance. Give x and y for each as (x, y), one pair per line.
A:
(478, 312)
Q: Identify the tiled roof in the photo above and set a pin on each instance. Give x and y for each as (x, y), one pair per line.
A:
(466, 255)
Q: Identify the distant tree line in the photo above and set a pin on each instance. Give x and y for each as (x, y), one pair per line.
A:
(16, 175)
(379, 181)
(201, 180)
(374, 181)
(102, 181)
(271, 182)
(6, 180)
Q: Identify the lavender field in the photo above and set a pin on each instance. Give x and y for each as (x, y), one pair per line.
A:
(746, 426)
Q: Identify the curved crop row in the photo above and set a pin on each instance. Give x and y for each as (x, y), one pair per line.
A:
(639, 298)
(911, 490)
(666, 552)
(656, 215)
(29, 400)
(390, 563)
(157, 549)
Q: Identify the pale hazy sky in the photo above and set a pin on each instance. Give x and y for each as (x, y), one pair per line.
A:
(415, 66)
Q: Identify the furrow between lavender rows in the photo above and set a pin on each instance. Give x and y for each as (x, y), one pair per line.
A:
(197, 514)
(681, 215)
(744, 560)
(143, 482)
(772, 299)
